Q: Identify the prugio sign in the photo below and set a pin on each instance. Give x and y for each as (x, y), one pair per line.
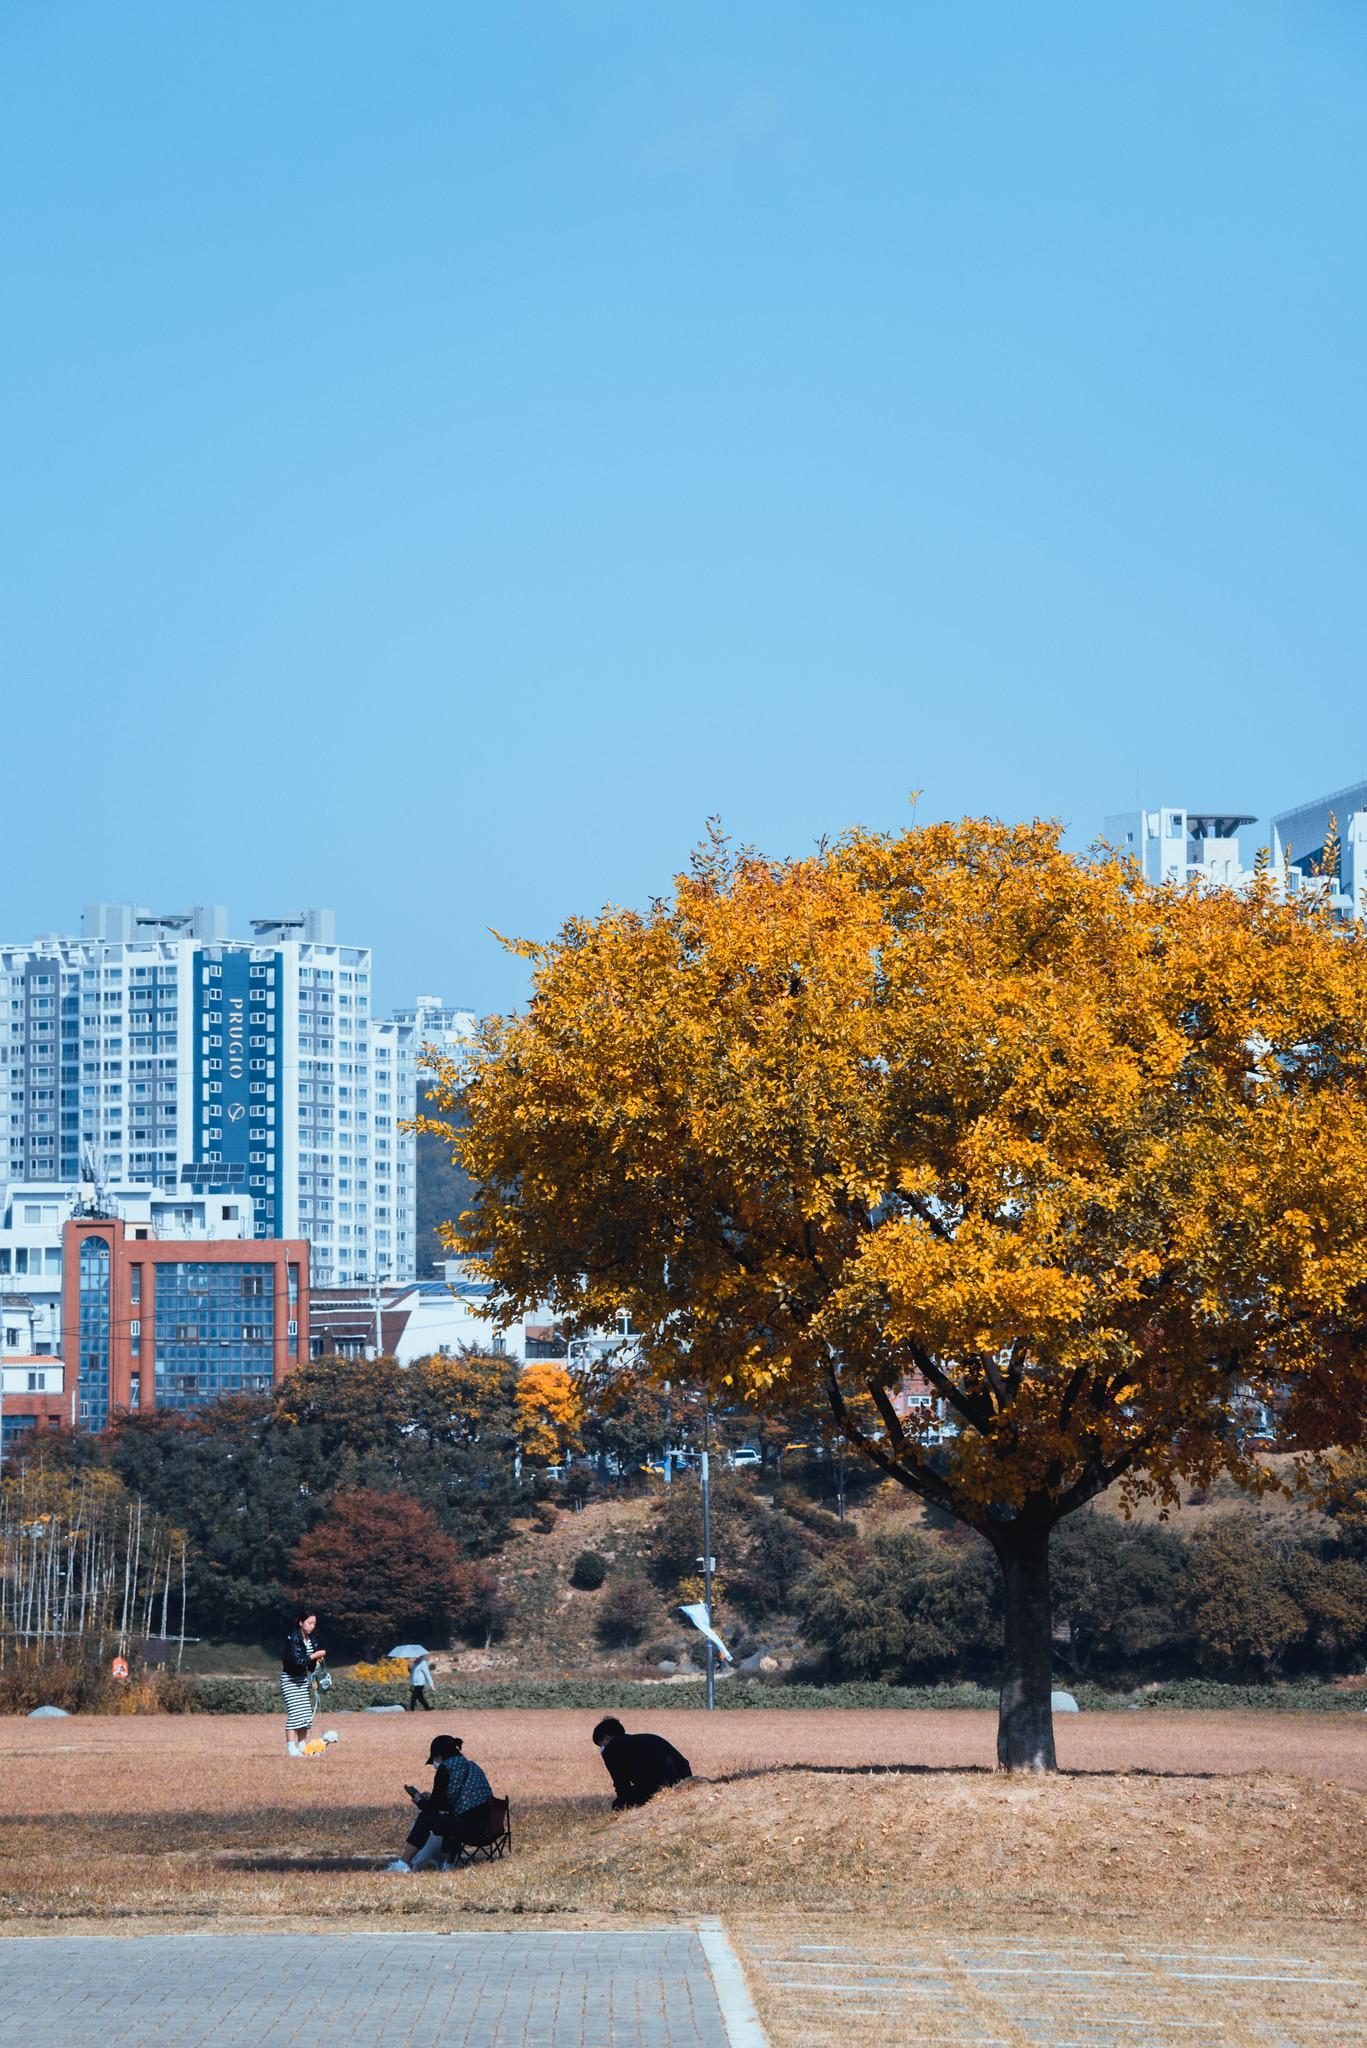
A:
(238, 1050)
(236, 1038)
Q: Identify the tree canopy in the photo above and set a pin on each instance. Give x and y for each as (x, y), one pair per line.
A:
(378, 1565)
(1085, 1153)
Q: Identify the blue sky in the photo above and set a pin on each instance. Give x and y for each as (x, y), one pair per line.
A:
(450, 451)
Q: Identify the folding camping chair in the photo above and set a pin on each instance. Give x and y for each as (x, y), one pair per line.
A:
(496, 1839)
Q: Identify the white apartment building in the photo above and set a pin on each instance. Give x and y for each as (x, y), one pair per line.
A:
(447, 1028)
(157, 1050)
(1173, 844)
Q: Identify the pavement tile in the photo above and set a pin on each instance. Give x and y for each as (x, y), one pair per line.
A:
(580, 1989)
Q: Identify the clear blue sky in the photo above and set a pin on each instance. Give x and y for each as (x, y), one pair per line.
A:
(449, 451)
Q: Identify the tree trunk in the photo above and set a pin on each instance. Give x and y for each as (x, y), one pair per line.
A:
(1025, 1726)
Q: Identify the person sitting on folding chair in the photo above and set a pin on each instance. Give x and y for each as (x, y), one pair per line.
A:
(454, 1812)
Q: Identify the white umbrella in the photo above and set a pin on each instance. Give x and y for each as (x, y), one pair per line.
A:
(409, 1650)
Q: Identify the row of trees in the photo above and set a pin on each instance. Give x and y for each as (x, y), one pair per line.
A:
(442, 1451)
(1245, 1598)
(373, 1491)
(84, 1563)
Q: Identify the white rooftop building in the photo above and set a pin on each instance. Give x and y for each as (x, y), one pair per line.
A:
(33, 1215)
(1173, 844)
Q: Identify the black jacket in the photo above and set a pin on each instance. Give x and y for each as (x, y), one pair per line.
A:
(640, 1764)
(297, 1661)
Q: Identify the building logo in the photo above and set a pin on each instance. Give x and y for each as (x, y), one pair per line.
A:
(236, 1022)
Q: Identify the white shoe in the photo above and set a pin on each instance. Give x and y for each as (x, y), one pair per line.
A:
(293, 1749)
(398, 1869)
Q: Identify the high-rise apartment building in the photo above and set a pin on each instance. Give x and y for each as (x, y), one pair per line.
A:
(156, 1049)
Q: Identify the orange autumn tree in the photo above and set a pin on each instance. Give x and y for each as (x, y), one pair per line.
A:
(1087, 1154)
(550, 1413)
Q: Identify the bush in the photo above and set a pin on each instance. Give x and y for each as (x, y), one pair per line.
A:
(906, 1606)
(1116, 1590)
(626, 1613)
(1257, 1599)
(589, 1570)
(84, 1686)
(235, 1696)
(384, 1671)
(738, 1695)
(76, 1684)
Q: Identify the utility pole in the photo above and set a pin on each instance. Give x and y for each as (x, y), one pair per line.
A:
(379, 1337)
(707, 1553)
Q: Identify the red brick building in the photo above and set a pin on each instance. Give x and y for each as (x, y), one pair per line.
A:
(152, 1322)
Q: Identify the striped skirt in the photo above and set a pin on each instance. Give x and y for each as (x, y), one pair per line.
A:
(298, 1697)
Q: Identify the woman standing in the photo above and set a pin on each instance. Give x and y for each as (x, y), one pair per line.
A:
(296, 1682)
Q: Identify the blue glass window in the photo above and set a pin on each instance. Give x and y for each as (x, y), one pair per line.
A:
(215, 1331)
(93, 1331)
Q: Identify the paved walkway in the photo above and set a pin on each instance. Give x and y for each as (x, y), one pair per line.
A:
(1025, 1992)
(487, 1990)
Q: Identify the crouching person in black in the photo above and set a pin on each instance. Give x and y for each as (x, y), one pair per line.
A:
(638, 1764)
(455, 1811)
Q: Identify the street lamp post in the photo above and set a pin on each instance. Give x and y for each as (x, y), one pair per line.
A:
(707, 1553)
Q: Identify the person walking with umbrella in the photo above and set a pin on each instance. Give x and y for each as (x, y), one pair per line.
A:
(420, 1687)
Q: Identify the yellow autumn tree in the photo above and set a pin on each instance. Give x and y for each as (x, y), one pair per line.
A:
(1086, 1153)
(550, 1413)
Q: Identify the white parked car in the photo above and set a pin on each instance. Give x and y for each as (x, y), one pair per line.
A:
(744, 1454)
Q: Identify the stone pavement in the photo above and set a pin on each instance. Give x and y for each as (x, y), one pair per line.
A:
(486, 1990)
(1014, 1991)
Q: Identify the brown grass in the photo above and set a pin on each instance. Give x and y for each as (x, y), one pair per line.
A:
(203, 1820)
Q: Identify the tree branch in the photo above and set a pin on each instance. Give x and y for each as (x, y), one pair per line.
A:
(915, 1477)
(972, 1411)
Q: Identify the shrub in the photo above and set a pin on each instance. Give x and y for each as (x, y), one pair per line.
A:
(76, 1684)
(383, 1671)
(235, 1696)
(589, 1570)
(84, 1686)
(626, 1613)
(1257, 1599)
(1116, 1589)
(738, 1695)
(906, 1606)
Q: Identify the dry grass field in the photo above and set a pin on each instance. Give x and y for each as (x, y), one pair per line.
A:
(204, 1820)
(1196, 1876)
